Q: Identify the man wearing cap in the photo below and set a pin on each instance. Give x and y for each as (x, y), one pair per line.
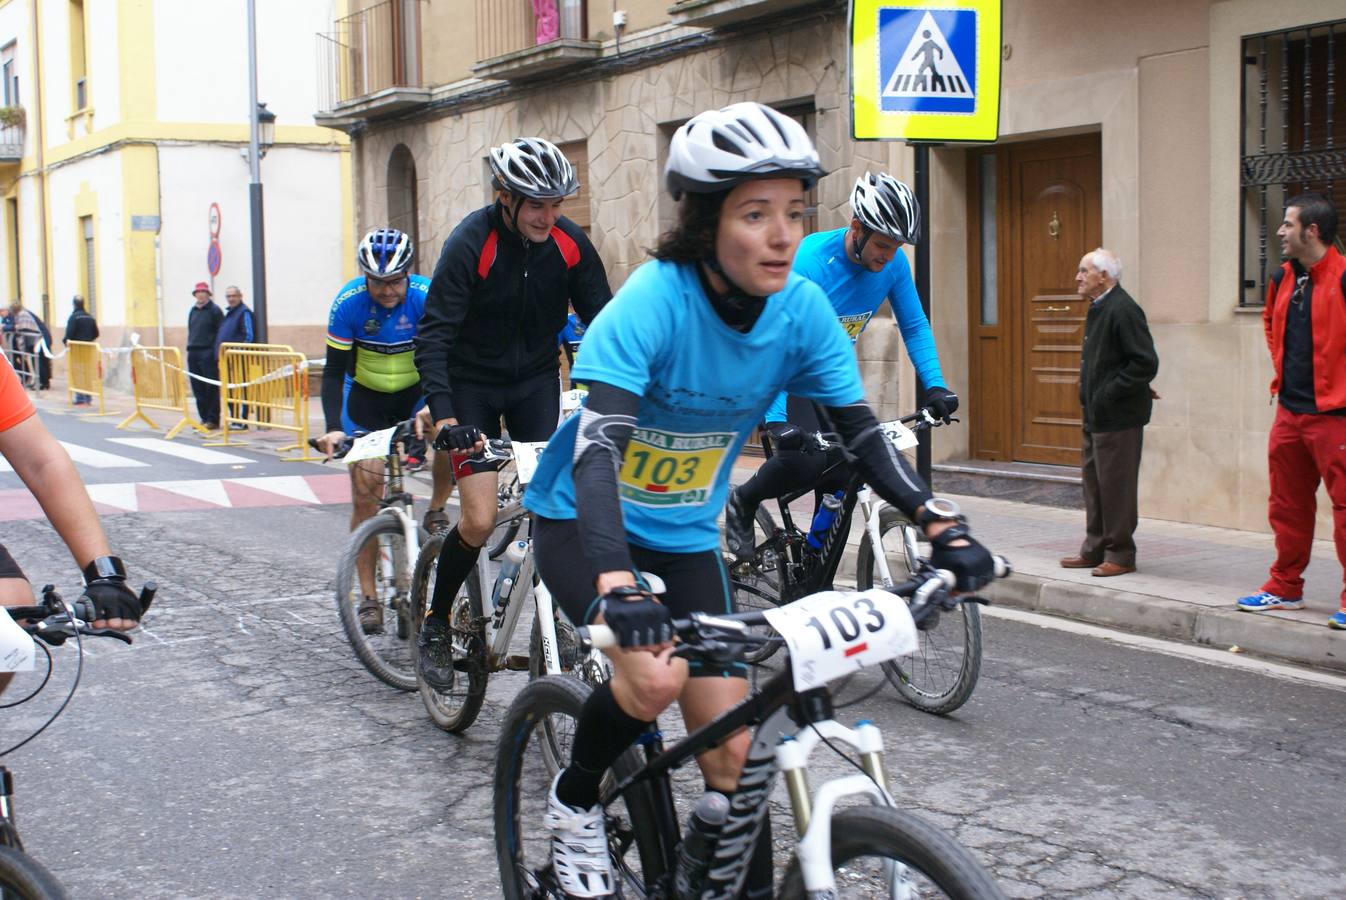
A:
(203, 324)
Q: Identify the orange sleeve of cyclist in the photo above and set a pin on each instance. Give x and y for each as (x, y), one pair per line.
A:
(14, 403)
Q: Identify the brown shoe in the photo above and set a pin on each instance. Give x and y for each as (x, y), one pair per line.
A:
(1108, 569)
(371, 616)
(1077, 562)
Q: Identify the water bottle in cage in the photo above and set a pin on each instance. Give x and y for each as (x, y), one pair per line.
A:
(823, 519)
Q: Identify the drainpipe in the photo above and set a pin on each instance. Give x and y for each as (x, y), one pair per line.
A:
(40, 155)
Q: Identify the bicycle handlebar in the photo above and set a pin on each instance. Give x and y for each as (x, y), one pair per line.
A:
(53, 620)
(404, 430)
(704, 633)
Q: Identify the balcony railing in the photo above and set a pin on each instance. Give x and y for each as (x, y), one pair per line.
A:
(11, 133)
(524, 37)
(369, 51)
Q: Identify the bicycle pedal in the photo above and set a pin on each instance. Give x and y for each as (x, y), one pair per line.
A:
(516, 662)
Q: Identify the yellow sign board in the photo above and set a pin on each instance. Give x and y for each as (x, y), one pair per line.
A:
(925, 71)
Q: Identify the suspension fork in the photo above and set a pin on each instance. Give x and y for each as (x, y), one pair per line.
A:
(870, 511)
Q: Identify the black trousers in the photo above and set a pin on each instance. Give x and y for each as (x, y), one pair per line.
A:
(1111, 473)
(203, 362)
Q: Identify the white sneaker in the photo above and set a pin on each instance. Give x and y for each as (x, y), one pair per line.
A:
(579, 848)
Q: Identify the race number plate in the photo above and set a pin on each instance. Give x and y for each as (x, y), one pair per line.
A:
(571, 400)
(834, 633)
(375, 445)
(16, 647)
(903, 438)
(526, 455)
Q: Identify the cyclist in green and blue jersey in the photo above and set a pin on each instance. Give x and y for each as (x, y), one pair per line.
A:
(370, 381)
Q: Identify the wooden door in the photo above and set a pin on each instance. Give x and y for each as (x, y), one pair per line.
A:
(1056, 217)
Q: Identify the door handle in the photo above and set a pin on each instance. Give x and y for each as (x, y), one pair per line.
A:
(1055, 309)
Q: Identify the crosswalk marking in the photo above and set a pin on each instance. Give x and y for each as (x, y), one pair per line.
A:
(206, 493)
(182, 451)
(211, 490)
(98, 459)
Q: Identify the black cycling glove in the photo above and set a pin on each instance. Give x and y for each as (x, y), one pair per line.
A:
(636, 618)
(457, 437)
(941, 402)
(112, 599)
(972, 564)
(786, 436)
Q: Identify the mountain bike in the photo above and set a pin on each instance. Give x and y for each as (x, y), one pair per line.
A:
(941, 674)
(879, 850)
(484, 627)
(386, 542)
(21, 876)
(509, 491)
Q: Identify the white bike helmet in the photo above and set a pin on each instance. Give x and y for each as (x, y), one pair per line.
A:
(384, 253)
(720, 148)
(887, 206)
(533, 168)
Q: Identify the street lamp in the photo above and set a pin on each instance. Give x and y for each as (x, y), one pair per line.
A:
(266, 129)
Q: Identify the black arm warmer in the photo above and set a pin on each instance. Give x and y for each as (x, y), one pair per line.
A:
(606, 422)
(886, 470)
(333, 385)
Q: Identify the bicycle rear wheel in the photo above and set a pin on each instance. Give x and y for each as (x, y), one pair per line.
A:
(523, 784)
(456, 709)
(24, 878)
(868, 840)
(756, 582)
(389, 653)
(508, 492)
(941, 675)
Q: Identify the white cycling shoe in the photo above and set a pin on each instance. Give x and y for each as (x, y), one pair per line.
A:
(579, 848)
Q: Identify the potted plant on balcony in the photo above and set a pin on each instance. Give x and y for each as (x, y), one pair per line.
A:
(11, 116)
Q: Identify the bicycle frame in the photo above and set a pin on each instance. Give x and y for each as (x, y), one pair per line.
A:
(777, 746)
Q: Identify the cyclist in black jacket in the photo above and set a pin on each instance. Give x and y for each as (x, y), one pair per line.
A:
(486, 345)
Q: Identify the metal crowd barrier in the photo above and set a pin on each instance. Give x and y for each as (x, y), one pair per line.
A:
(160, 382)
(265, 386)
(84, 363)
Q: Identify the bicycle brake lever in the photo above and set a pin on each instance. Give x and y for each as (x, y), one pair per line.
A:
(106, 632)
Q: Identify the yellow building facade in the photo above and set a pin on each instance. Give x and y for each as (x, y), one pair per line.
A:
(126, 159)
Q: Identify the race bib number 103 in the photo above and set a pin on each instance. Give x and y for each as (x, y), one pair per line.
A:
(834, 633)
(664, 468)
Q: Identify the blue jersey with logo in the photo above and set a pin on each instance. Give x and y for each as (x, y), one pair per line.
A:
(383, 339)
(857, 293)
(703, 386)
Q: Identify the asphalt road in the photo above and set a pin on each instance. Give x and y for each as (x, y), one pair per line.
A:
(238, 749)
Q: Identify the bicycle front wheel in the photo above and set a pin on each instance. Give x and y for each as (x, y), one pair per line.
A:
(880, 852)
(941, 675)
(523, 784)
(592, 668)
(387, 651)
(24, 878)
(456, 709)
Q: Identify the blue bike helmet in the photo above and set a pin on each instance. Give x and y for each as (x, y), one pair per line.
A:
(384, 253)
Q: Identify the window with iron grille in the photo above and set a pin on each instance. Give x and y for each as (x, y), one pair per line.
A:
(1294, 138)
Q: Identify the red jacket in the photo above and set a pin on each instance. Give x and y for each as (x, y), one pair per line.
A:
(1328, 315)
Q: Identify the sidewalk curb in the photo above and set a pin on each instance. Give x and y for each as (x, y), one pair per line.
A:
(1284, 639)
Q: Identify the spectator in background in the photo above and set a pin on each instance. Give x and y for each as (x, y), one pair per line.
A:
(81, 326)
(1116, 369)
(1305, 323)
(237, 328)
(33, 341)
(203, 326)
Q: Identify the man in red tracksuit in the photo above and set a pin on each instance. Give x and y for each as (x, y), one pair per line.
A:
(1305, 322)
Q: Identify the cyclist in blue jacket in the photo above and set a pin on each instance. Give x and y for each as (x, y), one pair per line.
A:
(858, 267)
(633, 482)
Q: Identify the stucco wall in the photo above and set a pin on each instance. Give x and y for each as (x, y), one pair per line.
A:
(101, 175)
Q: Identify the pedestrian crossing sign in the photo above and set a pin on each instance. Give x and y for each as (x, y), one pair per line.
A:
(922, 71)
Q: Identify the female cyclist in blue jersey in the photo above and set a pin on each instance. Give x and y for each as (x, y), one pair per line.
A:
(680, 366)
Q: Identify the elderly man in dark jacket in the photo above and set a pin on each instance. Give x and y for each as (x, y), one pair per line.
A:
(81, 326)
(203, 326)
(1116, 369)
